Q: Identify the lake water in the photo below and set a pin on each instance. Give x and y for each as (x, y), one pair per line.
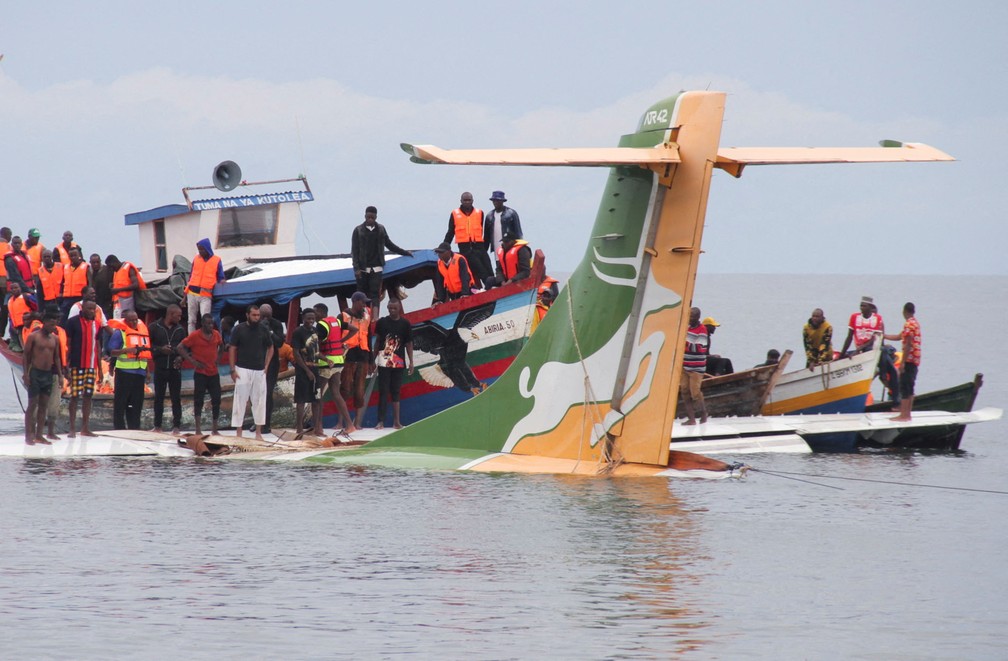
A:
(213, 559)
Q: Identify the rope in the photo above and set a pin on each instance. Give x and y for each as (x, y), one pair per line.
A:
(591, 415)
(17, 389)
(892, 482)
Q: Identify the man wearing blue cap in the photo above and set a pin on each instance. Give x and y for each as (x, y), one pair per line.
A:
(502, 220)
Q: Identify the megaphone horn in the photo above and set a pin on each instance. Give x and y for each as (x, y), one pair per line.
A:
(226, 176)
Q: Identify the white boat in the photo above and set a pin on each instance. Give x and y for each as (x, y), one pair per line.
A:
(840, 386)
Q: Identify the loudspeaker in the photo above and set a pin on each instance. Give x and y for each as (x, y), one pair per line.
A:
(226, 176)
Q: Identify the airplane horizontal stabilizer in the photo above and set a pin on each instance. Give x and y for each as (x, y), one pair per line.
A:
(667, 153)
(733, 159)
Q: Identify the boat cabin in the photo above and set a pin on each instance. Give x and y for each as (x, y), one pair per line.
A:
(249, 225)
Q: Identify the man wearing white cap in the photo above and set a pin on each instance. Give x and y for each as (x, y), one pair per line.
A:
(863, 327)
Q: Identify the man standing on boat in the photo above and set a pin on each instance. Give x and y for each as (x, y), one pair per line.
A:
(5, 248)
(76, 278)
(817, 336)
(357, 357)
(19, 305)
(33, 249)
(61, 253)
(126, 282)
(693, 369)
(863, 327)
(202, 348)
(277, 336)
(454, 279)
(502, 220)
(101, 280)
(207, 271)
(911, 336)
(332, 333)
(514, 261)
(130, 346)
(49, 281)
(166, 335)
(249, 353)
(465, 225)
(84, 363)
(367, 252)
(41, 368)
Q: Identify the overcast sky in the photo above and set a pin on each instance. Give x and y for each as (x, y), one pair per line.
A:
(108, 108)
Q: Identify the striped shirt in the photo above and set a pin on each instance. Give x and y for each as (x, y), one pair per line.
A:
(695, 358)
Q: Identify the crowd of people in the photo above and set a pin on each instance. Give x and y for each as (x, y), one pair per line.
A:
(77, 320)
(864, 328)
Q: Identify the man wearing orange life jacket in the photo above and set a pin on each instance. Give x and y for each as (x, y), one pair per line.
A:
(332, 332)
(49, 281)
(453, 280)
(33, 249)
(465, 226)
(18, 307)
(130, 347)
(514, 261)
(76, 278)
(61, 253)
(126, 282)
(207, 271)
(84, 364)
(357, 353)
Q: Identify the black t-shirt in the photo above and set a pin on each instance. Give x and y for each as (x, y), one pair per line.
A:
(393, 334)
(252, 343)
(305, 341)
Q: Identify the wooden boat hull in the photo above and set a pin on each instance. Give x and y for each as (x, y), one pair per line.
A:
(742, 393)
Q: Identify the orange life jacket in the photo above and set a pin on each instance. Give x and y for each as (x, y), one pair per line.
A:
(35, 257)
(547, 283)
(360, 338)
(29, 329)
(468, 229)
(64, 253)
(75, 280)
(4, 248)
(204, 276)
(122, 279)
(52, 281)
(451, 275)
(509, 260)
(17, 308)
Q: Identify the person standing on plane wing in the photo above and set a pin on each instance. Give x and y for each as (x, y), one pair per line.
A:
(202, 348)
(84, 333)
(166, 335)
(911, 336)
(693, 368)
(502, 220)
(42, 366)
(250, 352)
(207, 271)
(367, 252)
(276, 331)
(465, 226)
(130, 346)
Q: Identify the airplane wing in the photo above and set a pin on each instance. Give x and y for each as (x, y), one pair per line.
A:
(667, 153)
(733, 159)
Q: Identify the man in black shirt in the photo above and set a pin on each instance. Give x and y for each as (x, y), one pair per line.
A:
(277, 336)
(367, 250)
(165, 335)
(250, 351)
(305, 344)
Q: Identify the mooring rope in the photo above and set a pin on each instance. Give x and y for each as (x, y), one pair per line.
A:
(17, 389)
(892, 482)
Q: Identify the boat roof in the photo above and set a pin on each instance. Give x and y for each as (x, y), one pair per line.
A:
(283, 280)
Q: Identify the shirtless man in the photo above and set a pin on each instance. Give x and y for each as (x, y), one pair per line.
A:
(41, 365)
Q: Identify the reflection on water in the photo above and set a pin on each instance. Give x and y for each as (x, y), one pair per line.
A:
(260, 555)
